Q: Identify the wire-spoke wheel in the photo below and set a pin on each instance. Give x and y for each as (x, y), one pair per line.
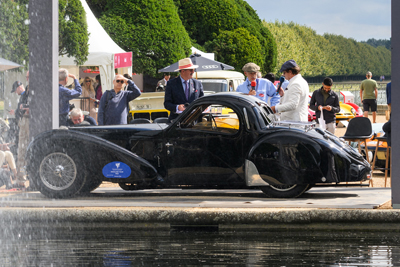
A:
(284, 191)
(57, 171)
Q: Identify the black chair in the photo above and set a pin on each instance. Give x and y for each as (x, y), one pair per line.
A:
(388, 156)
(161, 120)
(359, 130)
(139, 121)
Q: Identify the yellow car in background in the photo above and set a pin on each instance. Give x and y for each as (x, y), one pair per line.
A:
(346, 113)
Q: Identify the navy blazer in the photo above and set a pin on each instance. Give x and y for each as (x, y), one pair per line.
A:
(175, 95)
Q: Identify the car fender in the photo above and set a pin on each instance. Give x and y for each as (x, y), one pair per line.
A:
(96, 151)
(285, 157)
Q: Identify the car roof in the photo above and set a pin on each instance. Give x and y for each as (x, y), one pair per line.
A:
(230, 97)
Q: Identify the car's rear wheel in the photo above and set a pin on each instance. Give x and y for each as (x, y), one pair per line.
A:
(284, 191)
(59, 174)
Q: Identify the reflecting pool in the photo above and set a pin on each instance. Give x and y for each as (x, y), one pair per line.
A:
(119, 246)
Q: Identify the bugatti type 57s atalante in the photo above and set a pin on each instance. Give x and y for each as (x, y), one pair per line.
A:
(226, 140)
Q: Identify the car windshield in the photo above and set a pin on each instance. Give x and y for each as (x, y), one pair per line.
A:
(214, 85)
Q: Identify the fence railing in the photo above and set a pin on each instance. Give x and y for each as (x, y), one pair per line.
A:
(354, 88)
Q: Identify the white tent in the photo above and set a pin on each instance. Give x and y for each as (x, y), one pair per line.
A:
(102, 50)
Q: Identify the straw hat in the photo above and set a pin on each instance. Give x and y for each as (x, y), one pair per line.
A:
(186, 64)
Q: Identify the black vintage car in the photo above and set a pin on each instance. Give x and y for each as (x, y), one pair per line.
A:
(226, 140)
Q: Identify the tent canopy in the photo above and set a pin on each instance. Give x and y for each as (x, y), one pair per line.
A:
(7, 65)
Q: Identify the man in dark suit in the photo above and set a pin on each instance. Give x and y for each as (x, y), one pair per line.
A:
(182, 90)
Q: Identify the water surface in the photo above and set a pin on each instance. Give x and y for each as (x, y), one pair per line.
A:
(121, 246)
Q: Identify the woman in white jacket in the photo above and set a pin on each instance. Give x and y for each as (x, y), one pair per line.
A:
(294, 99)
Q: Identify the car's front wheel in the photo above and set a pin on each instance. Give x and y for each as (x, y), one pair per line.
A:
(284, 191)
(60, 174)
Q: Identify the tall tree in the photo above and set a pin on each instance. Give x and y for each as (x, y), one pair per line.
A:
(151, 29)
(327, 55)
(14, 31)
(380, 42)
(237, 48)
(206, 19)
(73, 34)
(14, 26)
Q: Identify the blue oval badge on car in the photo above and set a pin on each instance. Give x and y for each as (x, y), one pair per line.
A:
(116, 169)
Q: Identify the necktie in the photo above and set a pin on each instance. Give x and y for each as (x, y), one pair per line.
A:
(186, 90)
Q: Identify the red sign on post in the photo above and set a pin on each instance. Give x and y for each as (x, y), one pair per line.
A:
(122, 60)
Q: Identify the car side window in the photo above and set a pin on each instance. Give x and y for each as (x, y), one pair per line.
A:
(213, 118)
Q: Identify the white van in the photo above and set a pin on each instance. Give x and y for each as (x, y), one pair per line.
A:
(219, 81)
(151, 105)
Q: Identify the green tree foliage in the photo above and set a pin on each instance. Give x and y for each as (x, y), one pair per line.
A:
(327, 55)
(249, 20)
(73, 34)
(237, 47)
(14, 27)
(380, 42)
(205, 20)
(14, 31)
(151, 29)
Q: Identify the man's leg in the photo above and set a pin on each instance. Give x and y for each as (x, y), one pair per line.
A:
(374, 117)
(22, 146)
(374, 108)
(11, 162)
(331, 127)
(2, 157)
(365, 107)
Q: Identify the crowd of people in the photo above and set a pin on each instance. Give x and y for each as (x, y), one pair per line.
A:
(287, 97)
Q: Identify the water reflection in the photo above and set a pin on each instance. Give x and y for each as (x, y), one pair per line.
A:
(121, 246)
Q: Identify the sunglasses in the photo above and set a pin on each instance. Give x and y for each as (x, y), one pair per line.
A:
(88, 81)
(120, 81)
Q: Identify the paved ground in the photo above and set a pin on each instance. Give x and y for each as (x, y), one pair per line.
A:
(330, 198)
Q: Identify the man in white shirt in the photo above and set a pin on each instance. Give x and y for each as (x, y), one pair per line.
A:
(294, 99)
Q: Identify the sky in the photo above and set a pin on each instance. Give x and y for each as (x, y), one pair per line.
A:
(357, 19)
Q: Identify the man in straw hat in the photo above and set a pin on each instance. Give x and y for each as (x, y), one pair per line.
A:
(182, 90)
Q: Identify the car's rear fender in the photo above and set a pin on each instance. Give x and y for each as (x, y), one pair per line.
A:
(97, 153)
(286, 158)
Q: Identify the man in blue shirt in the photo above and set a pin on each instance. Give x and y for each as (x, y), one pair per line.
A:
(263, 89)
(66, 94)
(114, 103)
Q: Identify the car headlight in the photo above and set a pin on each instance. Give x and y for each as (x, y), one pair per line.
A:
(353, 111)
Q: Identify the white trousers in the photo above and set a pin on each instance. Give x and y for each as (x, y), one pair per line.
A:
(9, 157)
(330, 127)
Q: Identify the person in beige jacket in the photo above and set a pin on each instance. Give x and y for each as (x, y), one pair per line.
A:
(294, 99)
